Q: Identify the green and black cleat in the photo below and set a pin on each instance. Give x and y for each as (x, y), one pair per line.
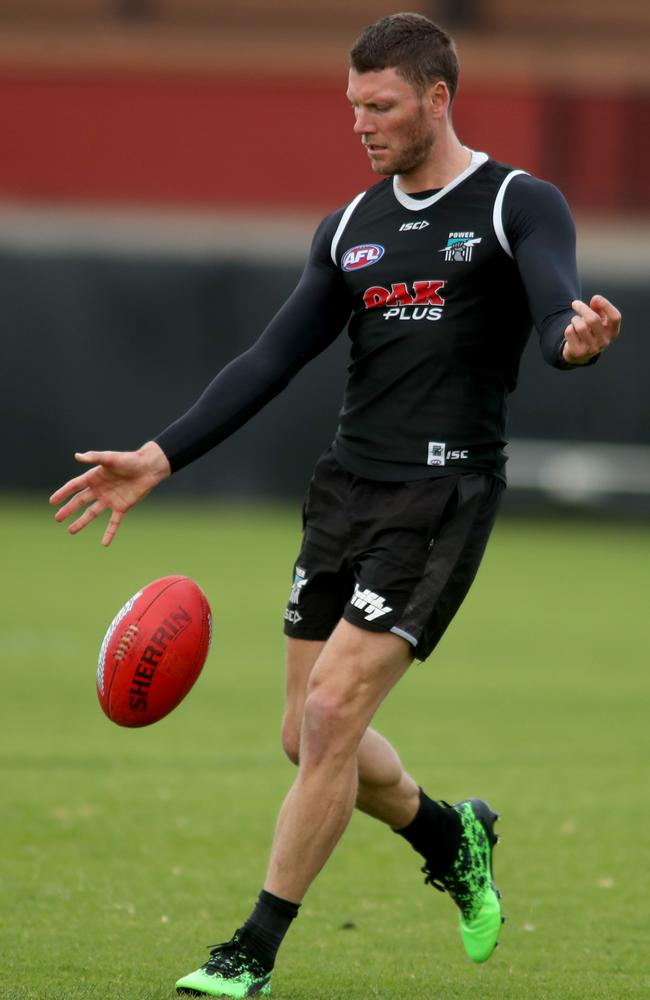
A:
(470, 882)
(231, 971)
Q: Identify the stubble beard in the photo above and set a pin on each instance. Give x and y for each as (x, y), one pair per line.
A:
(410, 159)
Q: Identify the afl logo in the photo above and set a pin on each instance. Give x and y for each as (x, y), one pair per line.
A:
(361, 256)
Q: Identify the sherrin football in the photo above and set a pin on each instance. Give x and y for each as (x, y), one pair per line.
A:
(153, 651)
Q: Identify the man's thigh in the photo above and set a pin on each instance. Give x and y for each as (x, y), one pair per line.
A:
(351, 677)
(349, 649)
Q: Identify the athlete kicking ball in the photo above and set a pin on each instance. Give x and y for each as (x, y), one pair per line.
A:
(439, 270)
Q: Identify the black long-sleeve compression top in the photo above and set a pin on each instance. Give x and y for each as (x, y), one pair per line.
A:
(440, 290)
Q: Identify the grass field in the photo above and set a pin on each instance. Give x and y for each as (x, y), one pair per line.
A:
(125, 853)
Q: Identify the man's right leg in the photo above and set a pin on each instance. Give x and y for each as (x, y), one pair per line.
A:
(350, 679)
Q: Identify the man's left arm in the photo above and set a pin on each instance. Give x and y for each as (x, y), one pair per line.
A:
(540, 230)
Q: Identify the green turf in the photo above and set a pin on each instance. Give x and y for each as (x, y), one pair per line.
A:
(125, 853)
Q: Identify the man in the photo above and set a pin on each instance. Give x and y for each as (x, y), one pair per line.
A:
(441, 267)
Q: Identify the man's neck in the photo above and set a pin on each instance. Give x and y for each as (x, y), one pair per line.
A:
(449, 159)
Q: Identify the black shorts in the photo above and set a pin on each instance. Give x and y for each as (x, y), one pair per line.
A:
(388, 556)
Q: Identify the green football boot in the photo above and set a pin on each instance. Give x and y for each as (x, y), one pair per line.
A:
(231, 971)
(469, 881)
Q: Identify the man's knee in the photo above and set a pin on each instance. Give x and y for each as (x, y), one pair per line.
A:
(329, 725)
(348, 683)
(324, 721)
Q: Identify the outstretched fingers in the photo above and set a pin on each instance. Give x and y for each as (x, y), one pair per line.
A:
(78, 486)
(116, 481)
(96, 506)
(81, 493)
(88, 515)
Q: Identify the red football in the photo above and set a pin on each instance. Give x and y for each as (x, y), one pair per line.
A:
(153, 651)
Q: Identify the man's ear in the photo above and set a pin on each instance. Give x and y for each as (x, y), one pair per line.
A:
(439, 98)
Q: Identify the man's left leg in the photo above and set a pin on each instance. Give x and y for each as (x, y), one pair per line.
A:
(386, 791)
(455, 842)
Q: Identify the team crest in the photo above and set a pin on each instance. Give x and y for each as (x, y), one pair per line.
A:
(460, 246)
(299, 581)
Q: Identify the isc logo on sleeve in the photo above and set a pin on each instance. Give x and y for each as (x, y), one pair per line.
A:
(361, 256)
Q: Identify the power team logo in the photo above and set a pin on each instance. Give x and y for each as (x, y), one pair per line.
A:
(460, 246)
(300, 579)
(423, 296)
(362, 256)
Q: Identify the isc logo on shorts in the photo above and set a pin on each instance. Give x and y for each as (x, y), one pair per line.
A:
(361, 256)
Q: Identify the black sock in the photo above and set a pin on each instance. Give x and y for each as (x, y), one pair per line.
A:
(434, 833)
(264, 930)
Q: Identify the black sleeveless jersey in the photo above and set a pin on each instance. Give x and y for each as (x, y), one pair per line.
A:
(439, 322)
(438, 292)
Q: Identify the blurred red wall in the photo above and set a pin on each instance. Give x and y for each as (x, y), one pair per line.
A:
(286, 142)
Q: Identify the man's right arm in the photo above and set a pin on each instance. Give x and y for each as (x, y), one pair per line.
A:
(311, 319)
(307, 323)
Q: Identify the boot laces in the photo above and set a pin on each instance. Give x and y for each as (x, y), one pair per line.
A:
(432, 879)
(230, 958)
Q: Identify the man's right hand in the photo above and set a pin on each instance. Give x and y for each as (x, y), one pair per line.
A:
(117, 481)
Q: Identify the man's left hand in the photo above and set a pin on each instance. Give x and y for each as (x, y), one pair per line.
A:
(591, 330)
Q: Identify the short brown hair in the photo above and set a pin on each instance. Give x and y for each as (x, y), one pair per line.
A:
(411, 44)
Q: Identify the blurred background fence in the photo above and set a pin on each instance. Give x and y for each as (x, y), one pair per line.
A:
(165, 162)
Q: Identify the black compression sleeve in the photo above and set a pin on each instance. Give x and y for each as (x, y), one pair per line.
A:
(541, 233)
(311, 318)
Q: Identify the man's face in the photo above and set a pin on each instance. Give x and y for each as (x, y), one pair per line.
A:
(394, 122)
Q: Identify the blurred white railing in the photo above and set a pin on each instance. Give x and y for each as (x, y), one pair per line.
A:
(579, 472)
